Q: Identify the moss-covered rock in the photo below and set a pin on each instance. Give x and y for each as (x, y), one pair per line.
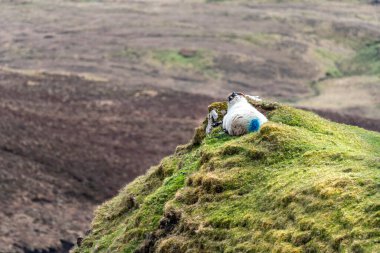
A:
(220, 108)
(301, 184)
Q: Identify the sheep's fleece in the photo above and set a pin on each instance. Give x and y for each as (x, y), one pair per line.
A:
(240, 118)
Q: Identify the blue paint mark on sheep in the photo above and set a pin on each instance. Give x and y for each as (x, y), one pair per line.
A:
(254, 125)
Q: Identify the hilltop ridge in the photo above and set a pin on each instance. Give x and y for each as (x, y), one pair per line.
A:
(301, 184)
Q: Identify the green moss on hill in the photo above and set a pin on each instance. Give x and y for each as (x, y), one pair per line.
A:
(302, 184)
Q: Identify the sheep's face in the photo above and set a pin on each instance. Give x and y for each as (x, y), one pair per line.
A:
(234, 98)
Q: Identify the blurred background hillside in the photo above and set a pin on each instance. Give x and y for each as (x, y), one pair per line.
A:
(92, 93)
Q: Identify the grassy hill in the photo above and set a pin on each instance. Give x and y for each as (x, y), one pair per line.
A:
(94, 92)
(302, 184)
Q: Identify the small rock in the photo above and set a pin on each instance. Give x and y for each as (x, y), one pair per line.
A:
(212, 118)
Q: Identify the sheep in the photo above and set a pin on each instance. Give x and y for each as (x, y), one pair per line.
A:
(241, 117)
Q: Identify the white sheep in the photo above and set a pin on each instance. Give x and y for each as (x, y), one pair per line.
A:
(242, 117)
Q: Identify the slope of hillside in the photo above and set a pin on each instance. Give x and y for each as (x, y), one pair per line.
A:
(68, 143)
(322, 54)
(302, 184)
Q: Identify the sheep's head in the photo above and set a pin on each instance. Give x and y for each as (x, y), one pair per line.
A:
(235, 97)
